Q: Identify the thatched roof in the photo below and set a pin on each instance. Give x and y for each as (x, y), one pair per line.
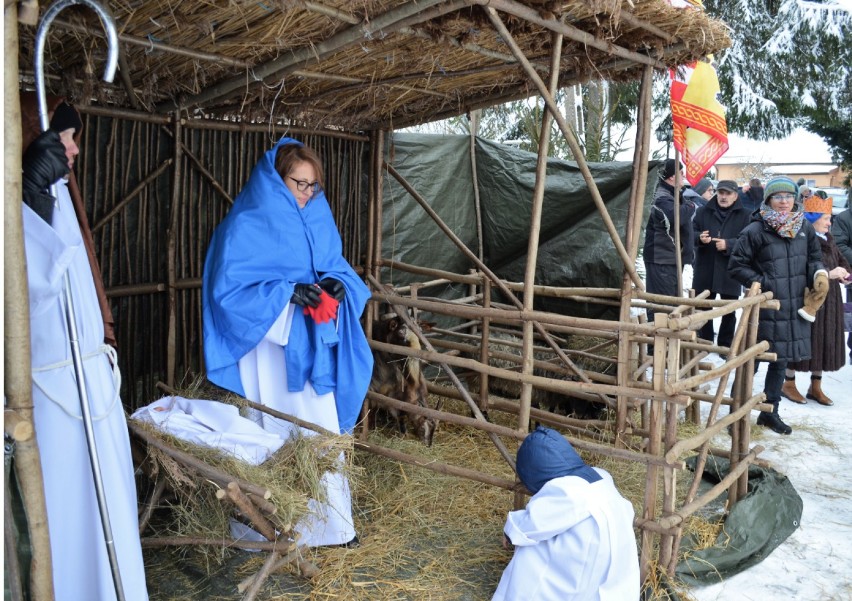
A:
(355, 64)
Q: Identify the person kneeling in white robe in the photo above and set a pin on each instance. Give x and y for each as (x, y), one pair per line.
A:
(574, 540)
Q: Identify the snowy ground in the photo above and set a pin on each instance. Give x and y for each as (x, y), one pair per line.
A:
(815, 562)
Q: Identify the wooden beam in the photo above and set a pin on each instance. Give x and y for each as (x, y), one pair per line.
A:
(569, 31)
(17, 382)
(150, 44)
(572, 143)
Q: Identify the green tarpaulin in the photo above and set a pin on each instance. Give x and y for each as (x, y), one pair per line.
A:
(574, 247)
(758, 523)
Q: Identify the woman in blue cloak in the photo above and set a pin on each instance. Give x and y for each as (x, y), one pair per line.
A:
(281, 309)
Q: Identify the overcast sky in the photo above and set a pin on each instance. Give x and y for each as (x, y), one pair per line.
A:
(801, 147)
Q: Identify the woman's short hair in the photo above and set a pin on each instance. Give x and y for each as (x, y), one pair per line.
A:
(290, 154)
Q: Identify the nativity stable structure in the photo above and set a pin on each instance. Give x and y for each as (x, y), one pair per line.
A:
(205, 87)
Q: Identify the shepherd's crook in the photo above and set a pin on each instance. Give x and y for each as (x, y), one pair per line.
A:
(70, 316)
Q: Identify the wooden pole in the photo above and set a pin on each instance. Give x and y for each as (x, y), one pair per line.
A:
(634, 221)
(576, 150)
(477, 207)
(528, 13)
(654, 447)
(17, 382)
(484, 351)
(171, 267)
(535, 235)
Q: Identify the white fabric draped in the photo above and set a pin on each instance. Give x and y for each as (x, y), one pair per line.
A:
(81, 570)
(263, 373)
(574, 541)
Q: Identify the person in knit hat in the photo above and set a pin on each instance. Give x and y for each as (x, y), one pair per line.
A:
(55, 246)
(827, 352)
(780, 250)
(701, 193)
(658, 252)
(574, 540)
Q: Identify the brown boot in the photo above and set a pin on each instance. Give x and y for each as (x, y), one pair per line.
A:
(815, 392)
(789, 391)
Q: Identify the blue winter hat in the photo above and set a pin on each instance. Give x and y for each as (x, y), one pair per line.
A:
(545, 455)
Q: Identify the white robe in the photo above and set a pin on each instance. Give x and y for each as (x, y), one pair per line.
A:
(263, 374)
(573, 541)
(81, 570)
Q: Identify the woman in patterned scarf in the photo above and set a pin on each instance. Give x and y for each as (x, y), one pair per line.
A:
(780, 250)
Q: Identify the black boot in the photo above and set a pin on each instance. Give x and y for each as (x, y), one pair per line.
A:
(773, 421)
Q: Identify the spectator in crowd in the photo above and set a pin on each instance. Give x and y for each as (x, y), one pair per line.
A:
(659, 252)
(716, 227)
(841, 229)
(700, 193)
(827, 331)
(751, 196)
(779, 249)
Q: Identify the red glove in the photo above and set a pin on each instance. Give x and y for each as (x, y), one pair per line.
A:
(325, 311)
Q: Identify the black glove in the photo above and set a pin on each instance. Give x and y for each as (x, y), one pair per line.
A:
(43, 163)
(306, 295)
(334, 288)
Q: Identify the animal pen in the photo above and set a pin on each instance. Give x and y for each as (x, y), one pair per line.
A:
(205, 87)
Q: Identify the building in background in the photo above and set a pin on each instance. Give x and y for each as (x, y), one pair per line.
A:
(801, 155)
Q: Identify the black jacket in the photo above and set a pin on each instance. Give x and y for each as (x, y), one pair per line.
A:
(659, 232)
(711, 265)
(784, 266)
(841, 230)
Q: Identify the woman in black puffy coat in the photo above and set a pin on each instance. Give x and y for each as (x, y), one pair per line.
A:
(780, 250)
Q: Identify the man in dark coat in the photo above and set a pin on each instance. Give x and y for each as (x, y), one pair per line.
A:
(841, 230)
(779, 249)
(716, 226)
(659, 250)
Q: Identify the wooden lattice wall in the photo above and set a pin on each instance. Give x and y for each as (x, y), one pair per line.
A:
(152, 218)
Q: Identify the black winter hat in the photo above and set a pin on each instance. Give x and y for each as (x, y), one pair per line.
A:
(65, 117)
(668, 169)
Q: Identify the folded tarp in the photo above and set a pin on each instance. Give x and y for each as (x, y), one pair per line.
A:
(768, 514)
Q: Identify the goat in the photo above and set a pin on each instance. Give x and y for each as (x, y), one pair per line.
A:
(401, 377)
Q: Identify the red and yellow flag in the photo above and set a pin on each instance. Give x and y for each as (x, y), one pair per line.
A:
(698, 118)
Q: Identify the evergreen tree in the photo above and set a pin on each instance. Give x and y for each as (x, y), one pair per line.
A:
(789, 66)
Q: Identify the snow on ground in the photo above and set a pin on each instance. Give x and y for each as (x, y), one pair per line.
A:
(815, 562)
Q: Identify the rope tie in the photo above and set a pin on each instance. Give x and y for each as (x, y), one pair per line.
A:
(103, 349)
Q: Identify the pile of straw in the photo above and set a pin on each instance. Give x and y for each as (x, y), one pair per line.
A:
(424, 535)
(292, 474)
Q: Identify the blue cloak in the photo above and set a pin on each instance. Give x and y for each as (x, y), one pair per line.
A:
(263, 247)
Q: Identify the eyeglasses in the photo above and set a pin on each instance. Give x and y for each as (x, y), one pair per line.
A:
(783, 197)
(303, 186)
